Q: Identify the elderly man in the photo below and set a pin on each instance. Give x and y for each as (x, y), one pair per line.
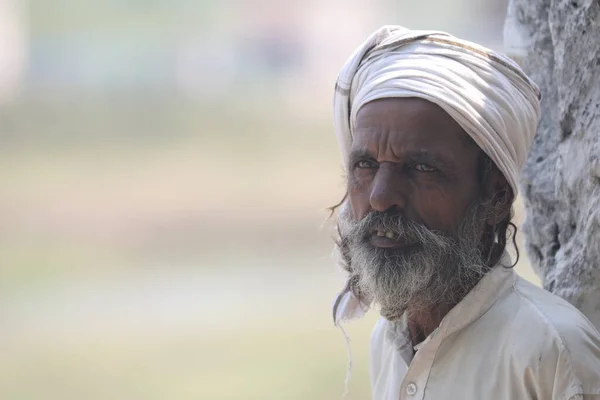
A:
(433, 132)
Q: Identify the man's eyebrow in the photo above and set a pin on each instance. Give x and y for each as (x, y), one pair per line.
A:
(359, 154)
(426, 156)
(413, 156)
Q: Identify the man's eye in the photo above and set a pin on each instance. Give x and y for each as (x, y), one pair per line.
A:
(365, 164)
(425, 168)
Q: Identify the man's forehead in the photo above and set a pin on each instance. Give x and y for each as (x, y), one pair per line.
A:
(406, 109)
(410, 122)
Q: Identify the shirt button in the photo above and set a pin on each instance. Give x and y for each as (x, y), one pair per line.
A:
(411, 389)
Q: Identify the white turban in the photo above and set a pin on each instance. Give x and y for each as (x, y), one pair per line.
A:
(486, 93)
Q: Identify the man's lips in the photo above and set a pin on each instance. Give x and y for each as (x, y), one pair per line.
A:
(380, 239)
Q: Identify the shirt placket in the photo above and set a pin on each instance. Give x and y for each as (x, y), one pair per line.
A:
(415, 381)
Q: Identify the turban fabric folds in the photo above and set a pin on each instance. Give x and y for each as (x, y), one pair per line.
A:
(486, 93)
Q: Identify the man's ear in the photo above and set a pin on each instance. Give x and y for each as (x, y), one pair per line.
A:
(499, 196)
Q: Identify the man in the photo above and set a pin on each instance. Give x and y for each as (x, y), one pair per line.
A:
(433, 132)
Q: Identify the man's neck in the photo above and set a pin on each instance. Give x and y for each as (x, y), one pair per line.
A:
(421, 323)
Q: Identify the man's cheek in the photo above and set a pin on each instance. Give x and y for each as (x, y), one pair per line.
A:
(357, 206)
(435, 217)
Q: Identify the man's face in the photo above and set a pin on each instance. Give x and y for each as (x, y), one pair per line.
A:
(413, 222)
(409, 155)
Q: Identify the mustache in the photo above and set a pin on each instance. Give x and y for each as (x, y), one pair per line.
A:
(411, 231)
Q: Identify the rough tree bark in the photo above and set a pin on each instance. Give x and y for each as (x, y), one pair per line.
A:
(557, 42)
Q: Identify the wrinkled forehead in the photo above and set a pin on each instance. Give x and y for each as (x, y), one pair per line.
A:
(408, 122)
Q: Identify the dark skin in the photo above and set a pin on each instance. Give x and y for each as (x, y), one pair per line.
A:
(409, 156)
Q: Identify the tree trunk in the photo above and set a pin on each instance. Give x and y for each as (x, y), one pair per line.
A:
(557, 42)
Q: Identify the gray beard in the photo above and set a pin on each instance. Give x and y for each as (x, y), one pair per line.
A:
(440, 269)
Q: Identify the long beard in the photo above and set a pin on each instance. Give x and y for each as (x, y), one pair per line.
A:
(438, 269)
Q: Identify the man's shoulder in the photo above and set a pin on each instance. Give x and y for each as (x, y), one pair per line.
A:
(528, 320)
(552, 337)
(544, 312)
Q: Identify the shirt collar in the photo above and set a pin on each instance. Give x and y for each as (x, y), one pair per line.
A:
(493, 286)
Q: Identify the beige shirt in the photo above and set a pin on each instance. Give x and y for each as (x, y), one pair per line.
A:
(507, 339)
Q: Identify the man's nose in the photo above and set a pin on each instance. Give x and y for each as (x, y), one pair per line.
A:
(388, 189)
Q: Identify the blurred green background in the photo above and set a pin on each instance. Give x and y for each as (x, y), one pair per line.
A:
(164, 170)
